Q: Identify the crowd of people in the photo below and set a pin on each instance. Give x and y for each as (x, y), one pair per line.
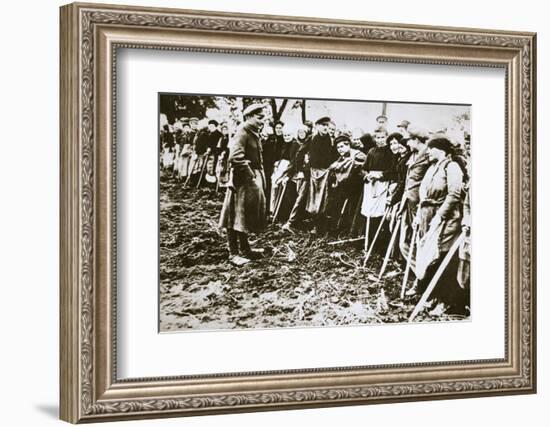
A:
(402, 194)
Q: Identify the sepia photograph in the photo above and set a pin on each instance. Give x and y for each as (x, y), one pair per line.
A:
(288, 212)
(264, 210)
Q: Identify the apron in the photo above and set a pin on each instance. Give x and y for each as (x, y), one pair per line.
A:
(375, 195)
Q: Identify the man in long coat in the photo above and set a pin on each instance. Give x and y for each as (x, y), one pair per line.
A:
(243, 209)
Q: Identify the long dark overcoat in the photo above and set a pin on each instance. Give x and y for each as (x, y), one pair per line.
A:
(244, 206)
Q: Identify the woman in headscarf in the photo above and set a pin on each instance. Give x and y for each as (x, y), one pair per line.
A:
(222, 168)
(402, 154)
(280, 167)
(298, 176)
(186, 150)
(439, 220)
(167, 142)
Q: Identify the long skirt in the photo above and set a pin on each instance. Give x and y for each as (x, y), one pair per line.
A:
(185, 161)
(222, 171)
(463, 275)
(167, 158)
(183, 167)
(276, 188)
(435, 240)
(210, 169)
(286, 200)
(405, 239)
(244, 208)
(447, 290)
(196, 163)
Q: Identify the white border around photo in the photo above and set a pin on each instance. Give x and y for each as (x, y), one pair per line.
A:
(143, 352)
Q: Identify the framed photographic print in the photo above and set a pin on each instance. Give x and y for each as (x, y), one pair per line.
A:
(267, 212)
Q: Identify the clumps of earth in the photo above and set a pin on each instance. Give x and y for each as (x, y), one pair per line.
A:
(302, 281)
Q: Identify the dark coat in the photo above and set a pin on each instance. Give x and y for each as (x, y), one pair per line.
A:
(380, 159)
(279, 146)
(268, 151)
(189, 137)
(244, 206)
(201, 141)
(417, 168)
(289, 151)
(213, 139)
(346, 170)
(399, 175)
(298, 158)
(167, 139)
(368, 143)
(224, 142)
(345, 190)
(321, 151)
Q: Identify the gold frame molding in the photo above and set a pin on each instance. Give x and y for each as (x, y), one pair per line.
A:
(90, 35)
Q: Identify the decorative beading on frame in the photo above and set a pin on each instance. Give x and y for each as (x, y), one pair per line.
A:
(276, 398)
(89, 18)
(86, 212)
(258, 25)
(526, 196)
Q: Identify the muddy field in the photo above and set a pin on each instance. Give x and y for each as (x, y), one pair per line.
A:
(300, 282)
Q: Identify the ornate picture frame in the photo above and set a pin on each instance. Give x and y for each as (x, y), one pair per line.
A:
(90, 37)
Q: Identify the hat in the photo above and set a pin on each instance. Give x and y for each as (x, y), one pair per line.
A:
(213, 122)
(419, 134)
(404, 124)
(323, 120)
(194, 119)
(443, 144)
(342, 138)
(253, 108)
(184, 121)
